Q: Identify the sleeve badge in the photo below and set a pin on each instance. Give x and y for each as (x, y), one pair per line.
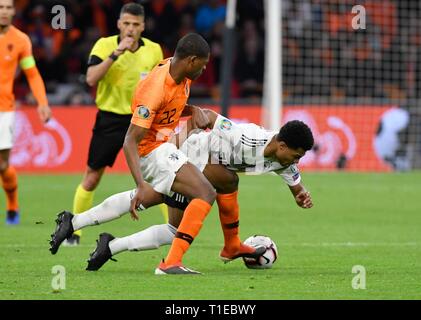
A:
(143, 112)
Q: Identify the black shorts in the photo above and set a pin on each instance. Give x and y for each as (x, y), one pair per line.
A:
(107, 138)
(177, 201)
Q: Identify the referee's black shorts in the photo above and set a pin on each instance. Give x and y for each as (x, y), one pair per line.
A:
(107, 138)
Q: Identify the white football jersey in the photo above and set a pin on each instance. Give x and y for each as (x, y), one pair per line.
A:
(239, 147)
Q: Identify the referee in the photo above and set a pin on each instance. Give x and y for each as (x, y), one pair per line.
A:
(115, 65)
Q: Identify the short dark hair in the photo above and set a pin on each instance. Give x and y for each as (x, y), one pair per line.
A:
(296, 134)
(133, 8)
(192, 44)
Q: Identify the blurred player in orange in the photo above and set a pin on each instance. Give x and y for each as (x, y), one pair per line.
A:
(15, 48)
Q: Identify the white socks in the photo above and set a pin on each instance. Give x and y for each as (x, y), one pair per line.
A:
(116, 206)
(148, 239)
(111, 208)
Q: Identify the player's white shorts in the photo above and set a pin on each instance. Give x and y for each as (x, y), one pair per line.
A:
(7, 124)
(197, 148)
(160, 166)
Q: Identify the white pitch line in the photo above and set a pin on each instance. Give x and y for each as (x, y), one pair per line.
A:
(301, 244)
(41, 246)
(353, 244)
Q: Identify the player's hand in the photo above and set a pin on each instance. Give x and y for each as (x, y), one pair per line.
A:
(199, 118)
(136, 203)
(303, 199)
(44, 113)
(124, 44)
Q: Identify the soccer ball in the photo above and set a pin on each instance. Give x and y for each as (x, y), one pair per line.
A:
(266, 260)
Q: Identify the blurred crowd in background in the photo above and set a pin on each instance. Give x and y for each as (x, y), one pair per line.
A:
(323, 56)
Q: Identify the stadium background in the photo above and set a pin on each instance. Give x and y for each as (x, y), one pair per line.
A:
(359, 90)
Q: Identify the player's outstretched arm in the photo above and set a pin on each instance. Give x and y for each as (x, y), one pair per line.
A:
(38, 90)
(199, 116)
(189, 128)
(212, 116)
(302, 196)
(133, 137)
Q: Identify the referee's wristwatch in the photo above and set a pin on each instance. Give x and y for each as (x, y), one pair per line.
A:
(113, 56)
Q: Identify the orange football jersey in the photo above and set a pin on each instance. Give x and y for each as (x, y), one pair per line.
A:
(14, 46)
(157, 104)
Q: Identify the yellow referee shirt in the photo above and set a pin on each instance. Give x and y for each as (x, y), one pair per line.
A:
(116, 88)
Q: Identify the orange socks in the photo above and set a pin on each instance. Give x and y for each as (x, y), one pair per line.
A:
(229, 212)
(190, 225)
(10, 186)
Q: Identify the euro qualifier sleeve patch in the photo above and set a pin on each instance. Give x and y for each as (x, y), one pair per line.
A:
(143, 112)
(225, 124)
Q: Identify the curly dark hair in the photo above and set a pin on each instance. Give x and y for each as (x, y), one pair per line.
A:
(192, 44)
(296, 134)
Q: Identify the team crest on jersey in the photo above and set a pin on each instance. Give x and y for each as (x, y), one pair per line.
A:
(173, 157)
(225, 124)
(296, 176)
(143, 112)
(10, 47)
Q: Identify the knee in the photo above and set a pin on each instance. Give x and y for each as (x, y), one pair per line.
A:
(208, 194)
(91, 181)
(230, 185)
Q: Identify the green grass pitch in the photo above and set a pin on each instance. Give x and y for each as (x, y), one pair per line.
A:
(371, 220)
